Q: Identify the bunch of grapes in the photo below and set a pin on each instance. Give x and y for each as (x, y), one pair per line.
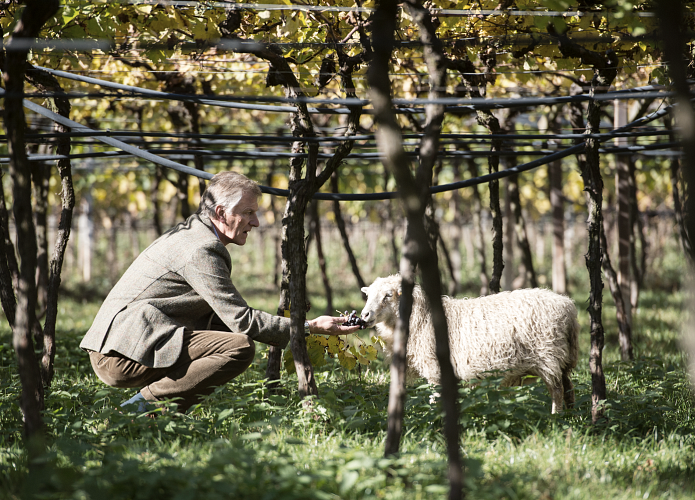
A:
(353, 319)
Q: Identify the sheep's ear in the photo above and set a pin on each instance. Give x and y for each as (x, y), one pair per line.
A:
(365, 290)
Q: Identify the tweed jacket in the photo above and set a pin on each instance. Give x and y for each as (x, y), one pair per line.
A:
(179, 282)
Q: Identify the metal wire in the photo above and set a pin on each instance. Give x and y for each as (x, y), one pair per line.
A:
(334, 196)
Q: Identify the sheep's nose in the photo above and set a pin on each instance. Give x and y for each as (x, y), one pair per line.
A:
(365, 315)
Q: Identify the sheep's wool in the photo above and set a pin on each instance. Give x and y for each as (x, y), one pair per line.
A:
(523, 332)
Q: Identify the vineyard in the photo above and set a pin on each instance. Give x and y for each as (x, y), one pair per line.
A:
(471, 148)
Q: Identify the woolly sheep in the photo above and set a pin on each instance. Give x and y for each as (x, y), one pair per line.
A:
(523, 332)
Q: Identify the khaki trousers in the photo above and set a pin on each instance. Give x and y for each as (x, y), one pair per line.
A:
(208, 359)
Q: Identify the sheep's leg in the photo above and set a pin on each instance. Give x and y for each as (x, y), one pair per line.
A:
(568, 389)
(555, 389)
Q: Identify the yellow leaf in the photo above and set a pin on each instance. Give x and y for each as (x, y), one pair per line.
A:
(316, 349)
(368, 352)
(288, 361)
(205, 31)
(143, 9)
(162, 22)
(378, 340)
(346, 360)
(334, 345)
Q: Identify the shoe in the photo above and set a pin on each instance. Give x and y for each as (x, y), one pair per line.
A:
(143, 405)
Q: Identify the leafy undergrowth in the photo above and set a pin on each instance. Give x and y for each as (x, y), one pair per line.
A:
(246, 442)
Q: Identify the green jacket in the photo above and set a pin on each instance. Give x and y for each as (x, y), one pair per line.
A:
(180, 281)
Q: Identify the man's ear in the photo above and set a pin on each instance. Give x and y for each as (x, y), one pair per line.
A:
(219, 212)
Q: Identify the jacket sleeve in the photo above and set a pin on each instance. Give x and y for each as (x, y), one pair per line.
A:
(208, 271)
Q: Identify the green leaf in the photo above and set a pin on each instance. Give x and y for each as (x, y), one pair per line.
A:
(288, 361)
(347, 360)
(349, 479)
(224, 414)
(68, 14)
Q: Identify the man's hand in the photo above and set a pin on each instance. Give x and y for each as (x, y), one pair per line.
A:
(329, 325)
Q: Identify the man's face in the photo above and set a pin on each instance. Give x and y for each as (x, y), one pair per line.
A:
(235, 225)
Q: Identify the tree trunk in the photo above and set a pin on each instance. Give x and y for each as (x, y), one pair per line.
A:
(624, 328)
(475, 82)
(508, 253)
(315, 231)
(272, 371)
(605, 70)
(415, 199)
(34, 16)
(448, 261)
(133, 235)
(673, 32)
(60, 104)
(182, 194)
(40, 175)
(456, 234)
(156, 203)
(520, 231)
(294, 253)
(559, 270)
(479, 237)
(496, 211)
(675, 172)
(343, 233)
(593, 185)
(112, 250)
(623, 211)
(85, 237)
(300, 192)
(638, 266)
(7, 283)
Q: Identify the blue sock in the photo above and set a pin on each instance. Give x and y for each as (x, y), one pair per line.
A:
(138, 399)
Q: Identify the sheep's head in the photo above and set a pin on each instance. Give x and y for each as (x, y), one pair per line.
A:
(382, 301)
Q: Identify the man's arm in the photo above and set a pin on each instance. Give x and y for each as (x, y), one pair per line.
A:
(208, 271)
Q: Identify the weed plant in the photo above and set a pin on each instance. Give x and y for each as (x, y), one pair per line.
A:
(245, 441)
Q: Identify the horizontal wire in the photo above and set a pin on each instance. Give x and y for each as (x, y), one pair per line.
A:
(42, 138)
(461, 105)
(344, 197)
(182, 154)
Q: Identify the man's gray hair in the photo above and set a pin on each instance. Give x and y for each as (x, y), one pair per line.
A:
(226, 189)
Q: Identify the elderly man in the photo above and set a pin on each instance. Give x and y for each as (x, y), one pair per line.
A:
(175, 326)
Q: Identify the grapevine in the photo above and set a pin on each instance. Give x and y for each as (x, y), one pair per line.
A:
(349, 356)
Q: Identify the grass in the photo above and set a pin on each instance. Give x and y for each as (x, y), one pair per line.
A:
(244, 442)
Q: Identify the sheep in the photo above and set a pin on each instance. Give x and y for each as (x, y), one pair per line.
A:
(523, 332)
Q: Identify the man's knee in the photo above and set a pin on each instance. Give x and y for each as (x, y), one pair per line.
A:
(119, 371)
(240, 354)
(247, 351)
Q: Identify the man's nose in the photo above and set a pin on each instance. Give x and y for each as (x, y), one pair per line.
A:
(254, 221)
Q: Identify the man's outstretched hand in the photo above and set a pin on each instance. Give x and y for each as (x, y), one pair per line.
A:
(330, 325)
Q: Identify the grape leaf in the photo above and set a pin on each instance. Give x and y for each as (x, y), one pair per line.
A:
(346, 360)
(288, 361)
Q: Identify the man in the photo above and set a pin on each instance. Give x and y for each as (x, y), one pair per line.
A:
(174, 325)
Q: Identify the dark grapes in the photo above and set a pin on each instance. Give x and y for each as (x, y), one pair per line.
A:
(353, 319)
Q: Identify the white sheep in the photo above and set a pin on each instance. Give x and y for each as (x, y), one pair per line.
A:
(524, 332)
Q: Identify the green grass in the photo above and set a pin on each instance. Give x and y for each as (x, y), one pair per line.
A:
(244, 442)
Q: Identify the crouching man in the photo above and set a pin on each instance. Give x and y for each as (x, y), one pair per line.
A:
(175, 326)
